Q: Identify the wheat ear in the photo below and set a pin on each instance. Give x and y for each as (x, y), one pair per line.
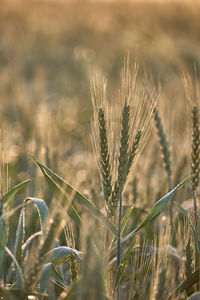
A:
(195, 152)
(105, 157)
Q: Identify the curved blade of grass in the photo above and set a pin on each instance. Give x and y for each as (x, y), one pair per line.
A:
(9, 196)
(3, 242)
(60, 195)
(44, 279)
(19, 238)
(11, 212)
(20, 278)
(195, 233)
(29, 241)
(61, 254)
(42, 209)
(186, 284)
(156, 210)
(65, 188)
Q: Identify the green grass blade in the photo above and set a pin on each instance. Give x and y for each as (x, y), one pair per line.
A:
(44, 279)
(3, 242)
(19, 238)
(156, 210)
(42, 210)
(11, 212)
(29, 241)
(59, 255)
(59, 185)
(9, 196)
(124, 222)
(61, 196)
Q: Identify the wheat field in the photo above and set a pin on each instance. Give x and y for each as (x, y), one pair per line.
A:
(99, 160)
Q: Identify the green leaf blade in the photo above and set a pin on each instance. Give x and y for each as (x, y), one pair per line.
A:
(19, 238)
(9, 196)
(156, 210)
(61, 254)
(3, 242)
(64, 190)
(42, 210)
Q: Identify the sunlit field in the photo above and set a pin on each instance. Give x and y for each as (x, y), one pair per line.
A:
(99, 140)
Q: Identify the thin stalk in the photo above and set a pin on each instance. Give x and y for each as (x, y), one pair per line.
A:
(195, 206)
(170, 206)
(119, 239)
(4, 266)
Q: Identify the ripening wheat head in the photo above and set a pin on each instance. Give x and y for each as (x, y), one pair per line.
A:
(120, 128)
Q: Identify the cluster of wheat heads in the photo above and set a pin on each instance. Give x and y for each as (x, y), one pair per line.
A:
(81, 250)
(120, 129)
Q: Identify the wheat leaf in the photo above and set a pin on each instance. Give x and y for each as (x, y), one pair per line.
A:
(19, 238)
(9, 196)
(156, 210)
(3, 242)
(42, 210)
(65, 188)
(59, 255)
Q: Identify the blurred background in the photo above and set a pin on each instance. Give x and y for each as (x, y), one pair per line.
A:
(49, 53)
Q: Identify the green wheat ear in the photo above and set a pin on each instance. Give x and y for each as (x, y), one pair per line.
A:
(126, 157)
(122, 160)
(124, 145)
(119, 131)
(104, 155)
(134, 149)
(164, 145)
(195, 151)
